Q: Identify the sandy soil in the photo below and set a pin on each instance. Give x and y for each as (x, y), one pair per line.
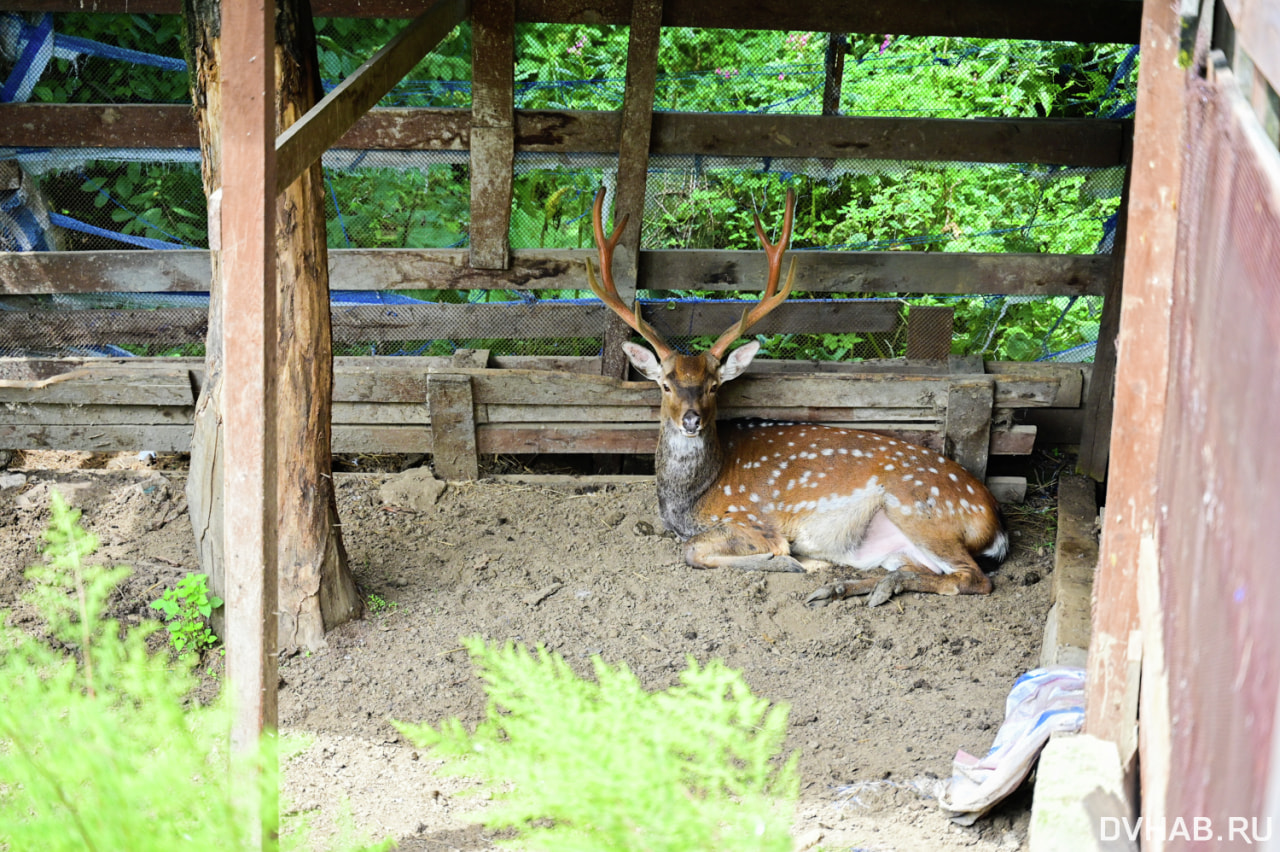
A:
(881, 699)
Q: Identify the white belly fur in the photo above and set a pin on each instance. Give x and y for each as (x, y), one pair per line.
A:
(826, 536)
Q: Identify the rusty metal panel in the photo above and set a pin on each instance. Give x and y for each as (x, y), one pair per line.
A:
(1219, 481)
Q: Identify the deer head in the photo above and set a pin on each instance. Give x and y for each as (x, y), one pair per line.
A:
(689, 383)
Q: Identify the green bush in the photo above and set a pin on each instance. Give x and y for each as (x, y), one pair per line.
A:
(606, 765)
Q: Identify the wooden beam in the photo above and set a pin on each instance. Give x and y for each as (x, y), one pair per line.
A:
(31, 273)
(1063, 141)
(633, 170)
(313, 134)
(1055, 20)
(492, 131)
(245, 234)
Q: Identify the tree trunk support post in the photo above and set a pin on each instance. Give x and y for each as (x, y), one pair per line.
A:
(246, 237)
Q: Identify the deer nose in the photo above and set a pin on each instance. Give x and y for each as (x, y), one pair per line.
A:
(691, 422)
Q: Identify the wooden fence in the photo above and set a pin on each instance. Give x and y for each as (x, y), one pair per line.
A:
(554, 405)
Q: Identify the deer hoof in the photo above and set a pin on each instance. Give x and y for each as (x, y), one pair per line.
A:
(888, 586)
(825, 595)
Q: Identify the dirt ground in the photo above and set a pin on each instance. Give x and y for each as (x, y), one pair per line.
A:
(881, 699)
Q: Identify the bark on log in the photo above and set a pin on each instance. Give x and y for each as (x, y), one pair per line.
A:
(317, 591)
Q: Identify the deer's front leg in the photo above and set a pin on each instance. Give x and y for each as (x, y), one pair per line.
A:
(745, 548)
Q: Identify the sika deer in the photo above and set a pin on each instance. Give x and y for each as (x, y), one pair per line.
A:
(762, 494)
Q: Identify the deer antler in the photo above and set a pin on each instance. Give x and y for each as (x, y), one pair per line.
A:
(771, 298)
(609, 292)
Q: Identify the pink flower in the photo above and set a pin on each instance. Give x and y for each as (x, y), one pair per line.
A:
(884, 45)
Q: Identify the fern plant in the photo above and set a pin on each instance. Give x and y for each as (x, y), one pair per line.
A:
(588, 765)
(101, 747)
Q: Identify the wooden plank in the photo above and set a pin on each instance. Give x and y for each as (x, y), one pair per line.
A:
(1017, 440)
(105, 384)
(36, 273)
(310, 136)
(453, 427)
(969, 407)
(1257, 33)
(388, 436)
(1142, 378)
(1056, 20)
(1071, 142)
(552, 320)
(33, 273)
(61, 414)
(1075, 557)
(165, 326)
(1065, 141)
(98, 126)
(492, 131)
(1070, 377)
(929, 332)
(769, 384)
(132, 437)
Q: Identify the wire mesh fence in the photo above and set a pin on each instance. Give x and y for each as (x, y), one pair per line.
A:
(153, 200)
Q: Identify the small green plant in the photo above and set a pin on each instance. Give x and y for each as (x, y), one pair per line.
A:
(381, 606)
(606, 765)
(187, 608)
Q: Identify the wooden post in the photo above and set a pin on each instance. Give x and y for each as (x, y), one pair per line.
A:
(633, 168)
(969, 405)
(493, 143)
(246, 238)
(1095, 439)
(453, 427)
(929, 331)
(837, 45)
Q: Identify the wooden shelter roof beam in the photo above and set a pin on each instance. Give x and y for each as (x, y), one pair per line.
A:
(1063, 141)
(1049, 20)
(325, 123)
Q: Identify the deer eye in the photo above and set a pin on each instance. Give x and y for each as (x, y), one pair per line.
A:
(666, 388)
(713, 387)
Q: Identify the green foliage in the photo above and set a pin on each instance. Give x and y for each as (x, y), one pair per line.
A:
(379, 605)
(101, 749)
(606, 765)
(187, 608)
(103, 746)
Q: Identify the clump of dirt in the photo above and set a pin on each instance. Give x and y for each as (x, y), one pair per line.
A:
(881, 699)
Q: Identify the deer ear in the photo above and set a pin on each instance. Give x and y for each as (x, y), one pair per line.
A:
(643, 360)
(738, 360)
